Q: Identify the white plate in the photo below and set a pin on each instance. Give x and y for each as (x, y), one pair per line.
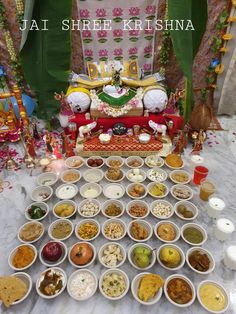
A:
(93, 175)
(47, 178)
(65, 186)
(71, 159)
(35, 194)
(108, 191)
(89, 186)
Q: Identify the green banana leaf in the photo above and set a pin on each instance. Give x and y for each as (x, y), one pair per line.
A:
(187, 42)
(45, 55)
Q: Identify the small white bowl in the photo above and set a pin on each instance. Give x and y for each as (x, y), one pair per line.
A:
(116, 202)
(144, 138)
(94, 201)
(70, 171)
(90, 186)
(13, 252)
(64, 281)
(142, 173)
(27, 280)
(95, 157)
(84, 221)
(219, 286)
(89, 263)
(54, 223)
(160, 201)
(114, 158)
(70, 202)
(182, 186)
(203, 251)
(42, 205)
(138, 202)
(143, 223)
(93, 175)
(66, 186)
(70, 160)
(132, 158)
(157, 161)
(119, 180)
(176, 248)
(135, 286)
(39, 191)
(152, 260)
(47, 178)
(174, 168)
(190, 206)
(190, 284)
(193, 225)
(131, 185)
(104, 247)
(114, 220)
(108, 191)
(177, 230)
(118, 272)
(59, 261)
(150, 185)
(28, 223)
(75, 273)
(179, 171)
(157, 170)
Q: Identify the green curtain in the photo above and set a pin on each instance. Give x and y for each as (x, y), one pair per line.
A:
(45, 55)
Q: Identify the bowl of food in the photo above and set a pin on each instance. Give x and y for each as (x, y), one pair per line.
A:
(87, 230)
(157, 174)
(74, 162)
(180, 177)
(186, 210)
(147, 288)
(112, 255)
(82, 254)
(66, 191)
(144, 138)
(41, 193)
(93, 175)
(154, 161)
(162, 209)
(213, 297)
(136, 190)
(141, 256)
(167, 231)
(22, 257)
(114, 229)
(82, 284)
(114, 284)
(22, 284)
(134, 162)
(114, 162)
(90, 190)
(70, 176)
(193, 234)
(104, 138)
(30, 232)
(174, 161)
(95, 162)
(139, 230)
(137, 209)
(61, 229)
(51, 283)
(53, 253)
(113, 191)
(179, 290)
(136, 175)
(200, 260)
(37, 211)
(47, 178)
(64, 209)
(114, 175)
(181, 192)
(113, 208)
(157, 189)
(89, 208)
(170, 256)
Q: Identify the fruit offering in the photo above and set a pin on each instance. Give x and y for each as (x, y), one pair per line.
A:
(141, 256)
(170, 257)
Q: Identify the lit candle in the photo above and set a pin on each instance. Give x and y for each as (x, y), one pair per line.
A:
(223, 229)
(196, 160)
(215, 207)
(230, 257)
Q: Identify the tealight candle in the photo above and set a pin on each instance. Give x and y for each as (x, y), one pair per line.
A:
(224, 228)
(230, 257)
(196, 160)
(215, 207)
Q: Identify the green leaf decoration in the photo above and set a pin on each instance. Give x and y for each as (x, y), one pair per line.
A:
(45, 55)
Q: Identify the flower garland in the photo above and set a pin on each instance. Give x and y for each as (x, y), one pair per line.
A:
(20, 11)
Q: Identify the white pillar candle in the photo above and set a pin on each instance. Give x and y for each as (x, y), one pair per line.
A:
(196, 160)
(223, 229)
(230, 257)
(215, 207)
